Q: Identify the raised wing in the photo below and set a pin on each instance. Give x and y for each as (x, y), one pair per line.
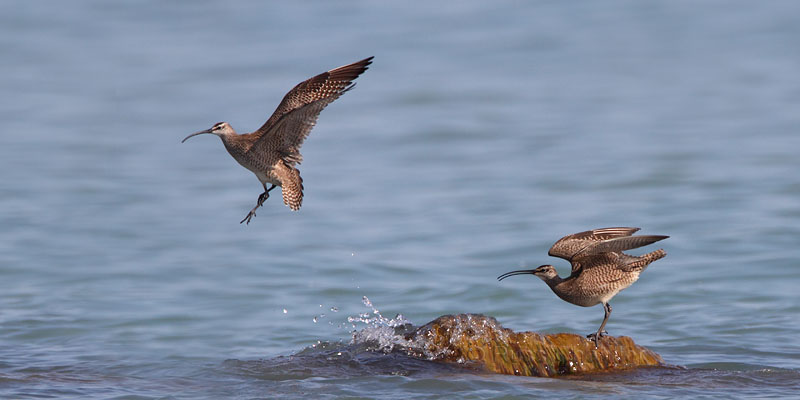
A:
(570, 246)
(297, 113)
(598, 246)
(619, 244)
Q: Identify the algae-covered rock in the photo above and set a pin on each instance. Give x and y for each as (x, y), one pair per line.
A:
(478, 339)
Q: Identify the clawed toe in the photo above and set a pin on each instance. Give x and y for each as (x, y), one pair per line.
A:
(597, 334)
(249, 216)
(261, 199)
(596, 337)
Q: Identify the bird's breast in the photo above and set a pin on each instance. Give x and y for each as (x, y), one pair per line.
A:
(264, 171)
(574, 295)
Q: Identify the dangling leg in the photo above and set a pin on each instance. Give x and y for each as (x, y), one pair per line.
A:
(261, 199)
(601, 332)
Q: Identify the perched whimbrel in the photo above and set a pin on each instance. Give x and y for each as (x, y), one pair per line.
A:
(273, 150)
(600, 269)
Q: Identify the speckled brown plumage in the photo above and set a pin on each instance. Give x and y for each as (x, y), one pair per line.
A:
(600, 269)
(273, 151)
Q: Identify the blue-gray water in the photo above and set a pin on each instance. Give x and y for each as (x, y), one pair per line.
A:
(483, 132)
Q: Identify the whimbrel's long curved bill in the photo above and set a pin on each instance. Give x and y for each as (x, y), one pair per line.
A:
(518, 272)
(196, 133)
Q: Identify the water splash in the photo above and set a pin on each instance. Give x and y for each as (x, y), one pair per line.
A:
(485, 331)
(317, 317)
(396, 334)
(380, 333)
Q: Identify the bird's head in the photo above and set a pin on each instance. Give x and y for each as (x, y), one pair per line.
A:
(545, 272)
(219, 129)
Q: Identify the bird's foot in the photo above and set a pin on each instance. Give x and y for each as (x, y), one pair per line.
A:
(261, 199)
(596, 337)
(249, 216)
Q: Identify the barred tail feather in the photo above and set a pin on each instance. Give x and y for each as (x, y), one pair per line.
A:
(643, 261)
(292, 190)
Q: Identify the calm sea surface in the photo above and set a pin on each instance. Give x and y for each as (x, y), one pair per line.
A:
(482, 133)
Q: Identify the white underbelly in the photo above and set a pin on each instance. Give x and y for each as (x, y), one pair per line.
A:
(607, 297)
(264, 176)
(267, 178)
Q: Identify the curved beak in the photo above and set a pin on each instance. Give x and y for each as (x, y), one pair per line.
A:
(196, 133)
(518, 272)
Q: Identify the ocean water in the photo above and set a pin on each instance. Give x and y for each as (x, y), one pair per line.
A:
(482, 133)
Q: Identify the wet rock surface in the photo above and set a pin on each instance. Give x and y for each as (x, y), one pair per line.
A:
(478, 340)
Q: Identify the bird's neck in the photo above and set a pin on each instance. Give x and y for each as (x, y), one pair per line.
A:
(234, 142)
(553, 282)
(563, 288)
(228, 138)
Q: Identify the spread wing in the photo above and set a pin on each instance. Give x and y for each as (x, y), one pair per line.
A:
(570, 246)
(590, 248)
(297, 113)
(620, 244)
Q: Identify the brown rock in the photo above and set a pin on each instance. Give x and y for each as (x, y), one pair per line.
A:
(476, 339)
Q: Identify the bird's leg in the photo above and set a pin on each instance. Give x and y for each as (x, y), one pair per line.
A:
(261, 199)
(601, 332)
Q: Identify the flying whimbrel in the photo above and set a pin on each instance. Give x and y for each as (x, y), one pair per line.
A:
(600, 269)
(273, 150)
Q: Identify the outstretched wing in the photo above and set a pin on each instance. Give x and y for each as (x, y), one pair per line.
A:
(570, 246)
(619, 244)
(297, 113)
(591, 248)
